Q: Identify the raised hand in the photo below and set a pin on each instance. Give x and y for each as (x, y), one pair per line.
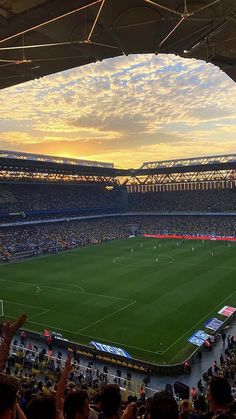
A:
(9, 329)
(61, 388)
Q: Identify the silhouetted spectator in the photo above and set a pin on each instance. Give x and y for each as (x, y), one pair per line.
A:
(76, 405)
(163, 406)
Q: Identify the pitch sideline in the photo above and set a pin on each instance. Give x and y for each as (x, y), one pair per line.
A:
(196, 324)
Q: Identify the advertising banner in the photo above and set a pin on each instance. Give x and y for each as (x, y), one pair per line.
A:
(198, 338)
(110, 349)
(227, 311)
(213, 324)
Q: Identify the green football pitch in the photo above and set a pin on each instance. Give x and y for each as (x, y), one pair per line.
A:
(147, 301)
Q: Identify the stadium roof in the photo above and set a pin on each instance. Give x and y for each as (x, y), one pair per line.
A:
(41, 37)
(190, 161)
(52, 159)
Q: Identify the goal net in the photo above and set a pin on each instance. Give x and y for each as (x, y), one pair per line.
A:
(1, 308)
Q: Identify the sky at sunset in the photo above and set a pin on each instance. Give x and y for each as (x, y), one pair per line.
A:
(124, 110)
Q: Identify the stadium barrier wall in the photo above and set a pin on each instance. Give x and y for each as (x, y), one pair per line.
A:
(129, 386)
(132, 363)
(120, 214)
(175, 236)
(129, 363)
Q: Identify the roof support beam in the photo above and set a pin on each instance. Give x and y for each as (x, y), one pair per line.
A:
(47, 22)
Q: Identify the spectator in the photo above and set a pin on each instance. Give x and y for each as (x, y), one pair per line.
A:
(76, 405)
(49, 237)
(8, 398)
(219, 395)
(41, 407)
(200, 386)
(163, 406)
(193, 393)
(110, 402)
(200, 407)
(185, 410)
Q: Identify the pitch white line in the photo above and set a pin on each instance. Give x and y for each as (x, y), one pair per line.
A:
(96, 295)
(196, 324)
(107, 316)
(38, 315)
(78, 286)
(97, 338)
(24, 305)
(93, 337)
(99, 295)
(42, 310)
(52, 327)
(35, 285)
(66, 289)
(109, 296)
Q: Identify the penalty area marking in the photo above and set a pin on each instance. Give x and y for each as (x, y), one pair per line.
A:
(91, 293)
(43, 310)
(102, 295)
(40, 314)
(135, 347)
(107, 316)
(66, 289)
(79, 287)
(35, 285)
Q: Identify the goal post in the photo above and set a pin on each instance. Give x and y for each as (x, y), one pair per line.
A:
(1, 308)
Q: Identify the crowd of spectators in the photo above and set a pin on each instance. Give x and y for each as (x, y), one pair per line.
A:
(217, 200)
(35, 197)
(54, 393)
(45, 197)
(38, 239)
(190, 225)
(46, 238)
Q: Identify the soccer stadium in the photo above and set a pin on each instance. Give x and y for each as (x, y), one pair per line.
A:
(104, 252)
(130, 271)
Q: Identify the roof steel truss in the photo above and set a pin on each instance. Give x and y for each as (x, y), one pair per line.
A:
(182, 177)
(54, 35)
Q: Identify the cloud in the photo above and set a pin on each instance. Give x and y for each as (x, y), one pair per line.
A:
(112, 123)
(126, 110)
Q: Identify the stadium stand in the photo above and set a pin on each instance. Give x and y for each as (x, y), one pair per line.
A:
(39, 379)
(52, 199)
(34, 198)
(35, 216)
(221, 200)
(37, 239)
(39, 218)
